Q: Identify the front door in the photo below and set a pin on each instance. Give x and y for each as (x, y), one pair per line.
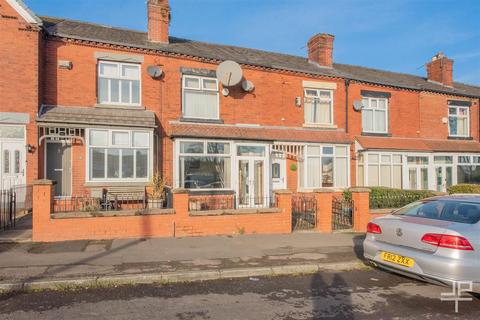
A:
(251, 182)
(278, 172)
(58, 166)
(444, 177)
(12, 161)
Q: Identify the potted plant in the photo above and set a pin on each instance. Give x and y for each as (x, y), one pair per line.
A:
(156, 197)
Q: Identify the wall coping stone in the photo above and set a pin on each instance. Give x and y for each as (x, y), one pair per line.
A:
(180, 191)
(359, 189)
(283, 191)
(43, 182)
(323, 190)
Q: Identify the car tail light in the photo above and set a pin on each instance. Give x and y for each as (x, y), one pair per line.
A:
(373, 228)
(447, 241)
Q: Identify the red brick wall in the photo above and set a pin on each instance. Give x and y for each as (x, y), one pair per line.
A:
(411, 114)
(179, 224)
(19, 82)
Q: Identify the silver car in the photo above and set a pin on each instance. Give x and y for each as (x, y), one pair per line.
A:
(435, 240)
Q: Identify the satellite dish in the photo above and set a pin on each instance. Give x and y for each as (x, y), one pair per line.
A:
(229, 73)
(247, 86)
(357, 105)
(155, 71)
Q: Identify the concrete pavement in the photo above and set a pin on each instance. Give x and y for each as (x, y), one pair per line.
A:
(48, 265)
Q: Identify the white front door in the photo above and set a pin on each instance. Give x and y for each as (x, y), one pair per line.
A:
(252, 168)
(12, 161)
(444, 177)
(278, 172)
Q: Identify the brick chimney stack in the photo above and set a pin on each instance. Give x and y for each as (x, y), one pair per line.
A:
(320, 49)
(440, 69)
(158, 20)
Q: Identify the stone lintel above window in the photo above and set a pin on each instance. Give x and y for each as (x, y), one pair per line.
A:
(459, 103)
(198, 72)
(375, 94)
(109, 56)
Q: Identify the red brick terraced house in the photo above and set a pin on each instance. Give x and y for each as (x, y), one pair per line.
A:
(95, 107)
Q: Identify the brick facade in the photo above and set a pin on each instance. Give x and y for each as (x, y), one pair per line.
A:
(412, 113)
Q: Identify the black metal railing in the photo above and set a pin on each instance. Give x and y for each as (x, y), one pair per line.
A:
(342, 213)
(8, 210)
(304, 212)
(107, 202)
(23, 195)
(225, 202)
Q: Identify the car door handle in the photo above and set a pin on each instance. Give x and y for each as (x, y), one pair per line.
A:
(58, 170)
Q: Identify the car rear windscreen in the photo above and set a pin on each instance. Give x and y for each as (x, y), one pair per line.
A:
(446, 210)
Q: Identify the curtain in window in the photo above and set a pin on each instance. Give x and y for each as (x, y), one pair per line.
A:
(341, 172)
(198, 104)
(314, 173)
(317, 111)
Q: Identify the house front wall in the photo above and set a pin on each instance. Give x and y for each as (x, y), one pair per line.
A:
(20, 93)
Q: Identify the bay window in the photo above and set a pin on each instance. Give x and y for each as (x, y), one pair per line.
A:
(119, 155)
(458, 121)
(325, 166)
(318, 107)
(381, 169)
(468, 170)
(374, 115)
(204, 164)
(200, 97)
(118, 83)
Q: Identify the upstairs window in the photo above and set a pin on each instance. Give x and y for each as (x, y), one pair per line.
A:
(118, 83)
(318, 107)
(458, 121)
(200, 98)
(375, 115)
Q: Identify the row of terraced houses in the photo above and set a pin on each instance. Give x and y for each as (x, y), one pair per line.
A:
(80, 105)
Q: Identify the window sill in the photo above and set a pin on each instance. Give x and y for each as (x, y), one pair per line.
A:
(376, 134)
(90, 184)
(119, 106)
(459, 138)
(197, 120)
(319, 126)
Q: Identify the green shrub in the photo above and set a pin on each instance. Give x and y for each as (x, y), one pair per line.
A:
(389, 198)
(464, 188)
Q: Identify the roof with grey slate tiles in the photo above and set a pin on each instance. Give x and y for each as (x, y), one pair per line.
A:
(97, 116)
(118, 36)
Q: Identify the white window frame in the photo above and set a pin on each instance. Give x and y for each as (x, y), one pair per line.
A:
(366, 163)
(330, 100)
(109, 145)
(201, 88)
(457, 116)
(178, 154)
(334, 156)
(120, 78)
(374, 112)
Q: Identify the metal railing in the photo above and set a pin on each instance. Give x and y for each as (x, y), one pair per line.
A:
(108, 202)
(304, 212)
(225, 202)
(24, 196)
(342, 213)
(8, 210)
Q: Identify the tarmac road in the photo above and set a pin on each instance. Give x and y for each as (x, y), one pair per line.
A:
(359, 294)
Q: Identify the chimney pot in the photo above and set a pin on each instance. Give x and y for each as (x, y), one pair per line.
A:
(158, 20)
(440, 69)
(320, 49)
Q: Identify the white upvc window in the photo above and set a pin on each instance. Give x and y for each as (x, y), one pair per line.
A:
(204, 164)
(318, 107)
(324, 166)
(200, 97)
(119, 83)
(119, 155)
(458, 121)
(375, 115)
(380, 169)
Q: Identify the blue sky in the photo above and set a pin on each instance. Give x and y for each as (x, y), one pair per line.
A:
(396, 35)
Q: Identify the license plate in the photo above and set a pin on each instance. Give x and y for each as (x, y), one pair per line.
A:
(397, 259)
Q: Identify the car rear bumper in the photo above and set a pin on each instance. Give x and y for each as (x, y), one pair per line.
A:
(428, 267)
